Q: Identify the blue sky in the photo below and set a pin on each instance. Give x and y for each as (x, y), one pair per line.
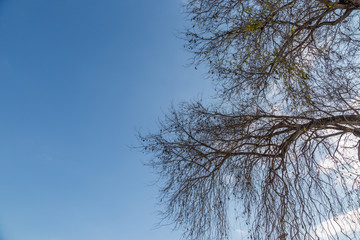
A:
(78, 77)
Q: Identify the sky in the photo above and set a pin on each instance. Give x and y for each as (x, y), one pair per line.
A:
(77, 79)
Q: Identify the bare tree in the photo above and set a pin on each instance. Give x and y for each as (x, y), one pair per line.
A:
(260, 45)
(282, 143)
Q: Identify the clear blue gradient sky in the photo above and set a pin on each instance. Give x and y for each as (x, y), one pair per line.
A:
(78, 77)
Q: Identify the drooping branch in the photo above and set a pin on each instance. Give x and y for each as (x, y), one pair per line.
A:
(281, 144)
(272, 163)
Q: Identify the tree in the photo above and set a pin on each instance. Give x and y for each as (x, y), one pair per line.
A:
(282, 144)
(265, 44)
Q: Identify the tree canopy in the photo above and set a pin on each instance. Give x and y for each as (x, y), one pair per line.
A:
(262, 45)
(282, 144)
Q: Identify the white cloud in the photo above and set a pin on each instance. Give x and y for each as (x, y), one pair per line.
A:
(344, 162)
(345, 223)
(239, 231)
